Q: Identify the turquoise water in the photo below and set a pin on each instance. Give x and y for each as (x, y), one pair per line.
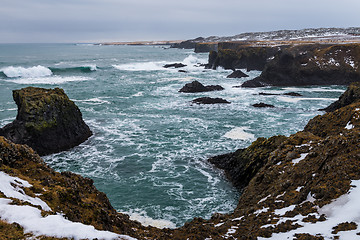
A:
(150, 144)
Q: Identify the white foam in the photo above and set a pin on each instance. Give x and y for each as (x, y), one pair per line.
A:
(239, 134)
(93, 101)
(36, 71)
(48, 80)
(142, 66)
(139, 94)
(297, 99)
(191, 60)
(145, 220)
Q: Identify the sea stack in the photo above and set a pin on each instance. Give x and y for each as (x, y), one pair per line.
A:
(47, 120)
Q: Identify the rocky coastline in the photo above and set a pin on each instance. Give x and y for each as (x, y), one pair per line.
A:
(279, 177)
(291, 187)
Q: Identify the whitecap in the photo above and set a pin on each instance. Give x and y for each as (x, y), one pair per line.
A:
(145, 220)
(48, 80)
(36, 71)
(295, 100)
(239, 133)
(141, 66)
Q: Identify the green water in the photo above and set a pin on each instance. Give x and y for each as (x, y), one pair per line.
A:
(150, 144)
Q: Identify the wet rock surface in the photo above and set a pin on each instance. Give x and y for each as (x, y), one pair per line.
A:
(174, 65)
(237, 74)
(263, 105)
(209, 100)
(196, 86)
(47, 120)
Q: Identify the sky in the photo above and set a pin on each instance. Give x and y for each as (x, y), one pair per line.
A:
(41, 21)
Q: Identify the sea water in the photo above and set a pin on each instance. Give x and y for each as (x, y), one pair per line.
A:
(150, 145)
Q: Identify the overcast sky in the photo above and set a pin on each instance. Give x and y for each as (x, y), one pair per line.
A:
(131, 20)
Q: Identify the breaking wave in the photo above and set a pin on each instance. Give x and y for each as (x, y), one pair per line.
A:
(36, 71)
(41, 71)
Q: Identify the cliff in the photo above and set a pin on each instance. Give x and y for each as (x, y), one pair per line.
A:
(311, 64)
(305, 186)
(47, 120)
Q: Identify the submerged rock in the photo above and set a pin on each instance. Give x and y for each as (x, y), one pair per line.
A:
(237, 74)
(196, 86)
(47, 120)
(208, 100)
(351, 95)
(293, 94)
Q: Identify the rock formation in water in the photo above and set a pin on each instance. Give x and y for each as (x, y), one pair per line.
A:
(174, 65)
(262, 105)
(208, 100)
(196, 86)
(237, 74)
(46, 120)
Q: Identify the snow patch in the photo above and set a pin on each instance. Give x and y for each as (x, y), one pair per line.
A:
(349, 126)
(302, 157)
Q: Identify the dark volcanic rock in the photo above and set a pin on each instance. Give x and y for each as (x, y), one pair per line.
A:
(208, 100)
(313, 64)
(293, 94)
(47, 121)
(263, 105)
(237, 74)
(174, 65)
(242, 165)
(351, 95)
(196, 86)
(205, 47)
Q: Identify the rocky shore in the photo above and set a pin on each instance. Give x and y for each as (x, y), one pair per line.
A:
(288, 185)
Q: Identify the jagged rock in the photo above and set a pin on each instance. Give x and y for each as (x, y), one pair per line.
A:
(262, 105)
(237, 74)
(174, 65)
(188, 44)
(242, 165)
(196, 86)
(351, 95)
(312, 64)
(205, 47)
(208, 100)
(47, 121)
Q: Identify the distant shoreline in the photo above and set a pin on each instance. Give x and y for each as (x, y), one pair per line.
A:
(140, 43)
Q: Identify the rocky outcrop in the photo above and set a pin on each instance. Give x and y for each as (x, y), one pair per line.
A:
(174, 65)
(208, 100)
(262, 105)
(196, 86)
(47, 121)
(188, 44)
(237, 74)
(241, 55)
(351, 95)
(312, 64)
(205, 47)
(292, 94)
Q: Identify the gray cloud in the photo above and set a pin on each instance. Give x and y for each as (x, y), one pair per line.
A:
(123, 20)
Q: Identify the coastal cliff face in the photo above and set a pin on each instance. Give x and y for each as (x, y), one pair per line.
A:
(313, 64)
(47, 120)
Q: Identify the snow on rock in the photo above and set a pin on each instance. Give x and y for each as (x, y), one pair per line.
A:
(341, 210)
(11, 187)
(302, 157)
(31, 220)
(349, 126)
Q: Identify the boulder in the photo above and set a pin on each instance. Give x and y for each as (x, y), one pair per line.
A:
(196, 86)
(209, 100)
(263, 105)
(293, 94)
(237, 74)
(174, 65)
(47, 120)
(351, 95)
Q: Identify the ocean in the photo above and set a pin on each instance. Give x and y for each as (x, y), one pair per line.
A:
(150, 145)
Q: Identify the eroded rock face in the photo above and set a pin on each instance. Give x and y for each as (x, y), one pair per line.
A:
(47, 120)
(351, 95)
(313, 64)
(196, 86)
